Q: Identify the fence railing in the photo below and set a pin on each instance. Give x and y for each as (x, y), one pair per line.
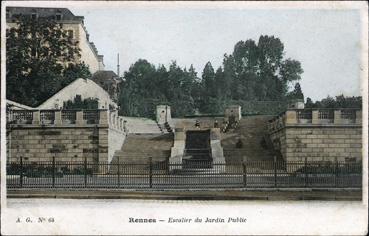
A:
(66, 117)
(47, 116)
(19, 116)
(316, 117)
(304, 114)
(91, 116)
(168, 175)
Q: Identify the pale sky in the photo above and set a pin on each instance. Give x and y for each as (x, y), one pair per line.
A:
(325, 41)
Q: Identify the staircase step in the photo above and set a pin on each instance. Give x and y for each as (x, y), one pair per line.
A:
(252, 132)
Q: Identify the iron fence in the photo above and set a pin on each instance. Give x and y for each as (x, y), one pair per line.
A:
(47, 116)
(68, 116)
(91, 116)
(169, 175)
(348, 114)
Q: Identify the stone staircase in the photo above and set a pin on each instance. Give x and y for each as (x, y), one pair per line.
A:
(205, 122)
(253, 134)
(142, 125)
(138, 148)
(165, 128)
(168, 127)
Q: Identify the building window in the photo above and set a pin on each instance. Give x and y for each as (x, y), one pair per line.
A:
(70, 33)
(34, 16)
(58, 16)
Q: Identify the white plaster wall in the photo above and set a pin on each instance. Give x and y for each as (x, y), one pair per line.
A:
(87, 54)
(84, 87)
(115, 140)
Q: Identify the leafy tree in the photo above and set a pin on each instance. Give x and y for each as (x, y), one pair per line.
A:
(296, 93)
(309, 103)
(41, 59)
(340, 101)
(146, 86)
(208, 80)
(78, 103)
(254, 71)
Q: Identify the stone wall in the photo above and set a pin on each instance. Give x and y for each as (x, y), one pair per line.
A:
(318, 137)
(66, 135)
(319, 143)
(115, 141)
(72, 144)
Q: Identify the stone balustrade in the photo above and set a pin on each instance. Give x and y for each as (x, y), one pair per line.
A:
(303, 117)
(65, 117)
(116, 122)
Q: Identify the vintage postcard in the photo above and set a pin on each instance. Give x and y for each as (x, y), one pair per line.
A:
(184, 118)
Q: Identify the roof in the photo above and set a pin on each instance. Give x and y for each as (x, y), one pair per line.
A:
(43, 12)
(105, 75)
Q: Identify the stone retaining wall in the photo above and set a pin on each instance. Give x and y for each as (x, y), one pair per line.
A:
(67, 135)
(73, 144)
(316, 139)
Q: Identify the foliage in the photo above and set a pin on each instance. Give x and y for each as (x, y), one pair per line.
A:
(255, 71)
(78, 103)
(41, 59)
(296, 93)
(340, 101)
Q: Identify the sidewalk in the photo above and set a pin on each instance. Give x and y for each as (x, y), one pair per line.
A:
(353, 194)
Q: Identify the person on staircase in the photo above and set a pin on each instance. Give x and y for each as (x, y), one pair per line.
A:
(197, 124)
(216, 125)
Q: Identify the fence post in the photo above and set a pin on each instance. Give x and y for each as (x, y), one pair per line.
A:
(21, 172)
(305, 171)
(335, 171)
(150, 172)
(85, 172)
(244, 174)
(118, 173)
(167, 164)
(53, 172)
(275, 171)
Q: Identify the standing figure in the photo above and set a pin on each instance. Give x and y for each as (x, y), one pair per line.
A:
(197, 124)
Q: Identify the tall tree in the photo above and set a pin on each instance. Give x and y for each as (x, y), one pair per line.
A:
(296, 93)
(252, 72)
(41, 59)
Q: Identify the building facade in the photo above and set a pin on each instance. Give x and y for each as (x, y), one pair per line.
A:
(74, 25)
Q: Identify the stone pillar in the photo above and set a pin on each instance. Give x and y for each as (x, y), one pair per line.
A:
(79, 118)
(58, 118)
(103, 117)
(177, 150)
(359, 114)
(103, 148)
(163, 114)
(291, 117)
(315, 117)
(337, 117)
(36, 118)
(217, 150)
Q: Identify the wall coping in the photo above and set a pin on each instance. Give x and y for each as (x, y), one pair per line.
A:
(317, 126)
